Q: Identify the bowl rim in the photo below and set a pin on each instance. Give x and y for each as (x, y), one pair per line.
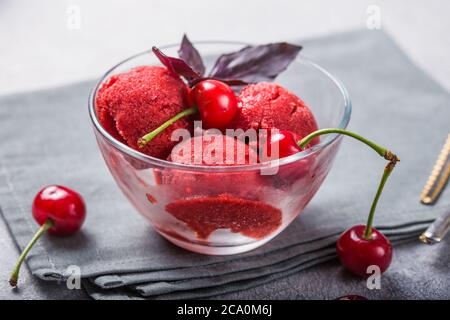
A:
(324, 143)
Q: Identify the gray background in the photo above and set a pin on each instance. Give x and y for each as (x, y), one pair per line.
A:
(35, 40)
(38, 50)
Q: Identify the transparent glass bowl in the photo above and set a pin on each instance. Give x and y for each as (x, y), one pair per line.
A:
(227, 210)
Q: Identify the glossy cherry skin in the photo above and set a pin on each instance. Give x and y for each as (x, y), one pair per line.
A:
(63, 206)
(357, 253)
(287, 145)
(216, 103)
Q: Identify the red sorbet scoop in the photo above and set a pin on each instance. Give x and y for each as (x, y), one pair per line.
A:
(213, 200)
(268, 105)
(135, 102)
(212, 150)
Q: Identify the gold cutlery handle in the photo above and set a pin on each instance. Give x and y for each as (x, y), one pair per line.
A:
(439, 176)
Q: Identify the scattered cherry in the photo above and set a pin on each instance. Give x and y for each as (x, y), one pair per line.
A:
(60, 211)
(362, 246)
(357, 253)
(216, 103)
(63, 206)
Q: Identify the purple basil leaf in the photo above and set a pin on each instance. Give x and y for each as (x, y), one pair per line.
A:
(255, 63)
(191, 56)
(176, 65)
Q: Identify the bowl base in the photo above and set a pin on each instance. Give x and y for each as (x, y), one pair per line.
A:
(215, 250)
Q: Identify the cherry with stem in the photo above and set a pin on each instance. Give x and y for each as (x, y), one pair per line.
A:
(362, 246)
(214, 100)
(60, 211)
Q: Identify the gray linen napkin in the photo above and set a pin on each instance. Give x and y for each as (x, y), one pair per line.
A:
(170, 280)
(46, 138)
(210, 288)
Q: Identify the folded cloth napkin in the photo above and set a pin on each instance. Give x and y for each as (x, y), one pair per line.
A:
(46, 138)
(207, 287)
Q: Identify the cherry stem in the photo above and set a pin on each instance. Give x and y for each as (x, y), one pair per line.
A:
(15, 274)
(151, 135)
(378, 149)
(385, 153)
(387, 171)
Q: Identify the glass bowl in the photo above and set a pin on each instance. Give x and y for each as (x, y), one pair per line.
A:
(221, 210)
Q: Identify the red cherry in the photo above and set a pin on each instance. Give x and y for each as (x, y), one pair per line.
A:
(357, 253)
(216, 103)
(214, 100)
(63, 206)
(60, 211)
(283, 140)
(286, 142)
